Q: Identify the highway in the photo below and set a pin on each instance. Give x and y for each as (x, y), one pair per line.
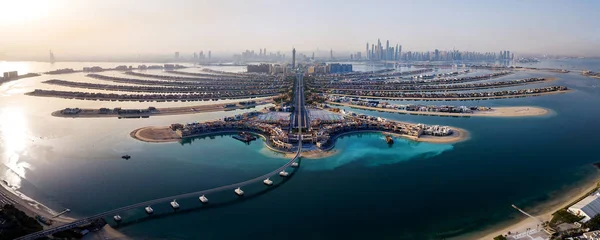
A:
(301, 120)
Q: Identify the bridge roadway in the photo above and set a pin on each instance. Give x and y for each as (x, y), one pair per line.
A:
(299, 117)
(110, 213)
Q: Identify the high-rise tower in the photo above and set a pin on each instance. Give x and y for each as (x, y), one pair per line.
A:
(367, 52)
(52, 60)
(293, 58)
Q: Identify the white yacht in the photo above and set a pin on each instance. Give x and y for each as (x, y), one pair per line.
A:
(284, 173)
(117, 218)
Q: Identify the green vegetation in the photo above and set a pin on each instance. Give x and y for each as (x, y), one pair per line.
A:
(500, 237)
(563, 216)
(17, 223)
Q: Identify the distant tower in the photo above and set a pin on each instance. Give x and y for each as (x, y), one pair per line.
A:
(209, 56)
(293, 58)
(265, 51)
(313, 56)
(367, 52)
(387, 50)
(176, 55)
(331, 54)
(52, 60)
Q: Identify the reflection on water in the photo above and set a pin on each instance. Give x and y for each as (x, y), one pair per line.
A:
(14, 136)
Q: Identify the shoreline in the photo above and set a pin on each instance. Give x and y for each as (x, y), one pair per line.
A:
(27, 206)
(153, 134)
(542, 211)
(521, 111)
(93, 113)
(547, 80)
(455, 99)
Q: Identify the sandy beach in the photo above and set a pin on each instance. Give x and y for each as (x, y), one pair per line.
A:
(521, 111)
(93, 113)
(155, 134)
(543, 212)
(32, 208)
(314, 154)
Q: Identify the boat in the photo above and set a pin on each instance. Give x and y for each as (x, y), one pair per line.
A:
(117, 218)
(239, 191)
(268, 182)
(295, 164)
(203, 199)
(284, 173)
(126, 157)
(149, 210)
(245, 137)
(174, 204)
(389, 139)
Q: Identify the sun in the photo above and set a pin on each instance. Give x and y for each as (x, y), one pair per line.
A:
(22, 11)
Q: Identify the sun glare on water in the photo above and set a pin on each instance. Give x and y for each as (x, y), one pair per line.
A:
(14, 140)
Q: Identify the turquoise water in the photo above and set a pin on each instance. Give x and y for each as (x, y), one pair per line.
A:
(366, 190)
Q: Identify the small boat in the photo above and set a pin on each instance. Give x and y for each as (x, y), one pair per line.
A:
(126, 157)
(174, 204)
(284, 173)
(389, 139)
(117, 218)
(149, 210)
(203, 199)
(295, 164)
(239, 191)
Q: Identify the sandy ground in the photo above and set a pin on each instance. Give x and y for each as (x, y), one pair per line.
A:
(454, 99)
(106, 233)
(314, 154)
(32, 208)
(544, 211)
(522, 111)
(93, 113)
(155, 134)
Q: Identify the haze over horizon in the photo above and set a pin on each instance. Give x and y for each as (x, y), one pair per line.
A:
(95, 28)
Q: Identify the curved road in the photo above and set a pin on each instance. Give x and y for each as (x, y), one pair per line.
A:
(170, 198)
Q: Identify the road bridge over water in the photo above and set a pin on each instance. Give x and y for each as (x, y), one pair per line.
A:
(301, 121)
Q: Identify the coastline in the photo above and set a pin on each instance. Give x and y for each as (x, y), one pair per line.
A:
(543, 211)
(455, 99)
(33, 208)
(93, 113)
(547, 80)
(521, 111)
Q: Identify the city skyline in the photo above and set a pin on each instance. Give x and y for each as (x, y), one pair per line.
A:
(90, 29)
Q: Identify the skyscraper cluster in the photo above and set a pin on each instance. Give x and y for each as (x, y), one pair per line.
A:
(380, 53)
(455, 55)
(261, 55)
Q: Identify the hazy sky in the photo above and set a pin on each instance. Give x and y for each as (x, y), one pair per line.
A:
(128, 27)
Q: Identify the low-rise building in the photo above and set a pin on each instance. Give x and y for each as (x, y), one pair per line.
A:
(588, 208)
